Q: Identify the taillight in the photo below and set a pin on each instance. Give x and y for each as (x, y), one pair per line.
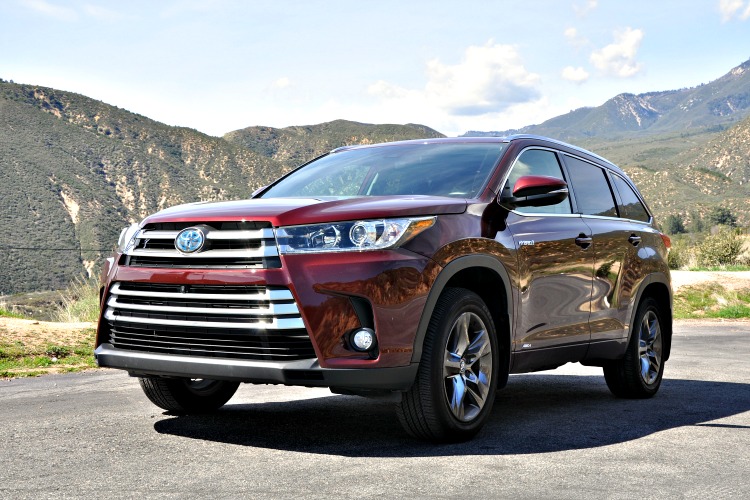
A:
(666, 240)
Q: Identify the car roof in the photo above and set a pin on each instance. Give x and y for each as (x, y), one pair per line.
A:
(484, 139)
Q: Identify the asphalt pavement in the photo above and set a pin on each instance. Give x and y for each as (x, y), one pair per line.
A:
(554, 434)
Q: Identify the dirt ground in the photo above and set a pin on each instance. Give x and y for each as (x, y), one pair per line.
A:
(41, 333)
(34, 333)
(731, 280)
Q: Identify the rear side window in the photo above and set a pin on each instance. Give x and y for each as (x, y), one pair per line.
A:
(538, 162)
(591, 188)
(631, 207)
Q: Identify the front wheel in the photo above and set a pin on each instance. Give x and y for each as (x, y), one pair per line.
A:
(638, 374)
(455, 386)
(184, 395)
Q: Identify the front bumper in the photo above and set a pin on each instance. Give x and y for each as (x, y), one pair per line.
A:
(306, 372)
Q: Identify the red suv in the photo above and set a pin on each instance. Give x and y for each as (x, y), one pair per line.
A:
(423, 272)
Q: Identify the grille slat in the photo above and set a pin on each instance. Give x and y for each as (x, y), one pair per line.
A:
(234, 321)
(165, 338)
(229, 245)
(197, 308)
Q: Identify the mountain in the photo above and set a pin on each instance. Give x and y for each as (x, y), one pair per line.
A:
(293, 146)
(727, 157)
(688, 175)
(709, 107)
(74, 171)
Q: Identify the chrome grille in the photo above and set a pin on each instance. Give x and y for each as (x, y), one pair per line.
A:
(229, 245)
(235, 321)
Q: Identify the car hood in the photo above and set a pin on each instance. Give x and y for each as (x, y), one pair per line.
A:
(295, 211)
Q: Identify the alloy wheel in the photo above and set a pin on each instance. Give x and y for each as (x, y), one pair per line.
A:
(650, 347)
(467, 370)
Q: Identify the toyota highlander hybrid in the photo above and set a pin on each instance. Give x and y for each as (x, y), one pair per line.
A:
(423, 272)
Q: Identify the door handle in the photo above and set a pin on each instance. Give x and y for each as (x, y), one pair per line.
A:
(634, 240)
(584, 241)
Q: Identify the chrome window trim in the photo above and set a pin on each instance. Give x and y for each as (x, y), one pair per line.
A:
(507, 174)
(637, 193)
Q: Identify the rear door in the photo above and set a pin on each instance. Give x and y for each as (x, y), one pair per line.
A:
(614, 246)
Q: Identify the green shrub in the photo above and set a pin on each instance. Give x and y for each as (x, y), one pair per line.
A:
(679, 255)
(720, 249)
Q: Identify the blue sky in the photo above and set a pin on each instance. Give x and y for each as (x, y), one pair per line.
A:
(221, 65)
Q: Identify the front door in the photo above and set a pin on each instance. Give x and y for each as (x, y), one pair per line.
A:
(555, 265)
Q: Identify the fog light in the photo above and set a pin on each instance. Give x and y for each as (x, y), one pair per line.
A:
(363, 339)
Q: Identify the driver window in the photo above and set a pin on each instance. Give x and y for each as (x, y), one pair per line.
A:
(537, 162)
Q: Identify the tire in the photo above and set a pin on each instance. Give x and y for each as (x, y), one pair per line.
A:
(638, 374)
(184, 395)
(453, 393)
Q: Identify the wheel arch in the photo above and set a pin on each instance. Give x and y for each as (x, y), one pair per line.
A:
(488, 278)
(657, 286)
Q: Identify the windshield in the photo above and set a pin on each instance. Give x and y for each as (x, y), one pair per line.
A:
(438, 169)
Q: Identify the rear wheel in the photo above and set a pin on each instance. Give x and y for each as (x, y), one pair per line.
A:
(638, 374)
(455, 386)
(184, 395)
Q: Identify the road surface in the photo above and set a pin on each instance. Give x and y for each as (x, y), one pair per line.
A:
(555, 434)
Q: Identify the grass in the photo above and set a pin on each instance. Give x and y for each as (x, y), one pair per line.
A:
(10, 314)
(711, 301)
(80, 301)
(735, 267)
(19, 359)
(30, 348)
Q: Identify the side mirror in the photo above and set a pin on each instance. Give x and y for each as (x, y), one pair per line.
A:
(536, 191)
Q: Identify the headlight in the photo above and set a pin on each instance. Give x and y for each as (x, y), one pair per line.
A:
(126, 237)
(347, 236)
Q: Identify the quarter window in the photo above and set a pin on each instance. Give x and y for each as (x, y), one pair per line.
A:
(631, 207)
(591, 188)
(538, 162)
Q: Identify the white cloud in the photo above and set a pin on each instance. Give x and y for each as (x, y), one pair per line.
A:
(489, 79)
(618, 58)
(571, 33)
(588, 6)
(734, 8)
(576, 75)
(101, 13)
(51, 10)
(282, 83)
(574, 38)
(182, 7)
(489, 89)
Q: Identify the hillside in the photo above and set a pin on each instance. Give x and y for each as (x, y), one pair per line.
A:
(709, 107)
(74, 171)
(688, 150)
(687, 173)
(293, 146)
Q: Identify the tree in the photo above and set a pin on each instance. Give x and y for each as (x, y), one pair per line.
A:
(722, 216)
(696, 222)
(675, 224)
